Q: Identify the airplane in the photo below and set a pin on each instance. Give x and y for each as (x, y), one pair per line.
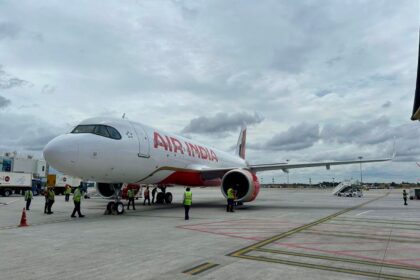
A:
(114, 151)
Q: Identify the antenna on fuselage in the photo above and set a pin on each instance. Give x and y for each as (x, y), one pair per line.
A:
(123, 116)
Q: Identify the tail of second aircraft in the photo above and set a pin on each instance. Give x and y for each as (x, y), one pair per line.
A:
(240, 146)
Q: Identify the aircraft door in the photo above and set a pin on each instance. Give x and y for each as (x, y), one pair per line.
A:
(143, 138)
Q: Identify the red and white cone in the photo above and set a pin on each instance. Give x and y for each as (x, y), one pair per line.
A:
(23, 219)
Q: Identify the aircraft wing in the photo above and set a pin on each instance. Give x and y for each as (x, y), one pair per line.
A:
(285, 166)
(218, 172)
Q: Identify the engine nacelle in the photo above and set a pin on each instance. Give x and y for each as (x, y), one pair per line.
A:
(244, 182)
(106, 190)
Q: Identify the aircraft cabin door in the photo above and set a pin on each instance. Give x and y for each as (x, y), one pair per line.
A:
(144, 147)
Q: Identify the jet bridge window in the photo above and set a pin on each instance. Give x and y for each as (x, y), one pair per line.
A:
(102, 130)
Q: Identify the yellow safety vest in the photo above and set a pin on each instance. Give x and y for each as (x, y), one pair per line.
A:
(28, 195)
(77, 196)
(230, 194)
(130, 193)
(187, 198)
(51, 195)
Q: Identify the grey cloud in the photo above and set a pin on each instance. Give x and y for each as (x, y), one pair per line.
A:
(370, 132)
(297, 137)
(221, 122)
(7, 81)
(378, 133)
(4, 102)
(322, 93)
(386, 104)
(333, 60)
(48, 89)
(11, 83)
(26, 132)
(8, 30)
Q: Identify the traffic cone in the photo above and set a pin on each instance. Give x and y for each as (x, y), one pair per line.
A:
(23, 219)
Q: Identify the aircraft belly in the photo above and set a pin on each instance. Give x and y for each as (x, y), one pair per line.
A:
(157, 177)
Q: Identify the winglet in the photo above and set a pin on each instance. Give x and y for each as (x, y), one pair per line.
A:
(240, 146)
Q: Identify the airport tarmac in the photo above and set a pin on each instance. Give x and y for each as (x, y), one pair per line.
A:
(284, 234)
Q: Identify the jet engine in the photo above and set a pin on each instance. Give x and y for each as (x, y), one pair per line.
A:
(106, 190)
(244, 182)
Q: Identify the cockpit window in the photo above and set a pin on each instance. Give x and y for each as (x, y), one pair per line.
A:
(84, 129)
(113, 133)
(102, 130)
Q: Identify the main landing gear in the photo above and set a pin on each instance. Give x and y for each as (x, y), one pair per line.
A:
(163, 196)
(116, 206)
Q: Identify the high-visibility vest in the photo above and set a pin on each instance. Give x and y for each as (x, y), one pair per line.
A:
(187, 198)
(77, 196)
(51, 195)
(68, 190)
(230, 194)
(28, 194)
(130, 193)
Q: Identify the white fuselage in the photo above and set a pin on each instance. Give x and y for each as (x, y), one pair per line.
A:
(143, 154)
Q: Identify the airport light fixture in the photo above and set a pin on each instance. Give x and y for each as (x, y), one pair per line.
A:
(361, 174)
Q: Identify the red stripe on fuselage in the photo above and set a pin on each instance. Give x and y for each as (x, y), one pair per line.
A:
(189, 179)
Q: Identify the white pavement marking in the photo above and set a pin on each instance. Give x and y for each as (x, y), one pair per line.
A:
(10, 202)
(363, 213)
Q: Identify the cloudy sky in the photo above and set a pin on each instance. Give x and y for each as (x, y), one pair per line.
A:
(314, 80)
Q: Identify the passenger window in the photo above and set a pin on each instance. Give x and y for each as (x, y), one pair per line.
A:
(102, 131)
(113, 133)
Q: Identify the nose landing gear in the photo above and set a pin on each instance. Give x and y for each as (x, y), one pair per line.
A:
(116, 206)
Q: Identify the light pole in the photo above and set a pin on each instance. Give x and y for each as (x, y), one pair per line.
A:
(361, 176)
(287, 160)
(333, 182)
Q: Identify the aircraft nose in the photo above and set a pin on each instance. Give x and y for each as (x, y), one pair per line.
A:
(62, 153)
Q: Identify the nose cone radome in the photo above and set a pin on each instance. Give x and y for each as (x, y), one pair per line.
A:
(62, 153)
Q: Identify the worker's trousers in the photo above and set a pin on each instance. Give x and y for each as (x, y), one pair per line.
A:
(28, 203)
(131, 201)
(76, 209)
(187, 211)
(50, 204)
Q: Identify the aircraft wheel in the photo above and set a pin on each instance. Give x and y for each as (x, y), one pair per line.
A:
(119, 208)
(110, 206)
(7, 193)
(239, 203)
(168, 198)
(160, 198)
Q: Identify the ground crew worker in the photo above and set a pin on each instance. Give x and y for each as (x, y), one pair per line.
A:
(46, 200)
(187, 202)
(51, 199)
(405, 197)
(230, 200)
(77, 197)
(67, 192)
(146, 196)
(28, 198)
(130, 194)
(154, 194)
